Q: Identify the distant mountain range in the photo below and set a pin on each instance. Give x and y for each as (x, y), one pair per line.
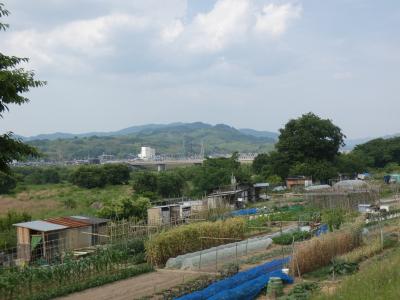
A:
(145, 128)
(170, 139)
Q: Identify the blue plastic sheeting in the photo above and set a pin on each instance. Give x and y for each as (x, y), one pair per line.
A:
(236, 280)
(251, 289)
(322, 230)
(244, 212)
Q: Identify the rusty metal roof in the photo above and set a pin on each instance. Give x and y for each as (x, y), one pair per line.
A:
(41, 226)
(90, 220)
(68, 222)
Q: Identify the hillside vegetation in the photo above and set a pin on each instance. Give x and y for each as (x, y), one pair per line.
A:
(173, 139)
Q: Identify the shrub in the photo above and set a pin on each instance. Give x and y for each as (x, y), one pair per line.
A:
(186, 238)
(287, 238)
(334, 218)
(145, 182)
(302, 291)
(8, 236)
(125, 208)
(89, 177)
(7, 183)
(117, 173)
(319, 252)
(39, 175)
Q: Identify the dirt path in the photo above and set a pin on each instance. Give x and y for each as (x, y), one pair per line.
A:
(136, 287)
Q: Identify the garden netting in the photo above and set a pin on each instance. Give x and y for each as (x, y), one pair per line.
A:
(241, 279)
(220, 254)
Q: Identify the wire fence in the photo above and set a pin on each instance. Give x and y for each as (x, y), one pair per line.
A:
(54, 250)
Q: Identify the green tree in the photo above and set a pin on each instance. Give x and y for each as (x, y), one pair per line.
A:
(126, 208)
(7, 183)
(144, 182)
(310, 137)
(170, 184)
(89, 177)
(14, 81)
(351, 163)
(117, 173)
(306, 145)
(379, 152)
(321, 170)
(216, 172)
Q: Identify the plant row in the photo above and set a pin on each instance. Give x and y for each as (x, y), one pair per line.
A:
(31, 282)
(193, 237)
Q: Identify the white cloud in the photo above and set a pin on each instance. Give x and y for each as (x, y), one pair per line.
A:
(68, 42)
(225, 24)
(275, 18)
(172, 31)
(234, 21)
(162, 34)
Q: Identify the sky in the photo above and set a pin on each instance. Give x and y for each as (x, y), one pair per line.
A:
(246, 63)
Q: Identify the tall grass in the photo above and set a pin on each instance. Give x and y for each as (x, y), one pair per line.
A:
(188, 238)
(319, 252)
(365, 251)
(379, 280)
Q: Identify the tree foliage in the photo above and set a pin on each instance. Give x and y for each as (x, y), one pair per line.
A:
(169, 184)
(217, 172)
(379, 152)
(98, 176)
(14, 81)
(307, 146)
(117, 173)
(145, 182)
(89, 177)
(7, 183)
(126, 208)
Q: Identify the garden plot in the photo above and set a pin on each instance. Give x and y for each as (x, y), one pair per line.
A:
(215, 257)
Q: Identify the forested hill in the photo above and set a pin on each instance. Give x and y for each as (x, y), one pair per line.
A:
(176, 138)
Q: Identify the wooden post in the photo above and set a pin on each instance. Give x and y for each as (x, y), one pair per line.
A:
(44, 245)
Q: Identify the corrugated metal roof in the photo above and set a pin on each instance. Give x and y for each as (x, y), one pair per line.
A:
(90, 220)
(261, 184)
(67, 221)
(41, 226)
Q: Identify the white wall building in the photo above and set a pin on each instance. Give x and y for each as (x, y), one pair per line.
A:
(147, 153)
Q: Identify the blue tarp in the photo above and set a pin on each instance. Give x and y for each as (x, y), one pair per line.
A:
(251, 289)
(237, 280)
(322, 230)
(244, 212)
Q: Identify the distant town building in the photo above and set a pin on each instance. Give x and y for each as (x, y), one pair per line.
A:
(147, 153)
(106, 157)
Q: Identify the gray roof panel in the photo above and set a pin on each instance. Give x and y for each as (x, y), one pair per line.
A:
(41, 226)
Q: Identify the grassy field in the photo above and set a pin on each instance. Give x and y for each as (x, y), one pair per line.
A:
(378, 278)
(63, 199)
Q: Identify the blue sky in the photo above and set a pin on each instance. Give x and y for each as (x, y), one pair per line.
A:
(247, 63)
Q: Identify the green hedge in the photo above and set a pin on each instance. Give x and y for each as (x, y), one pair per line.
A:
(287, 238)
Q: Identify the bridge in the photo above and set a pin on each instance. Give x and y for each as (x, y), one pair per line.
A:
(163, 163)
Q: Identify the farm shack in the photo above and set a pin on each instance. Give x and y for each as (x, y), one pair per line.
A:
(164, 214)
(298, 181)
(234, 198)
(259, 191)
(48, 239)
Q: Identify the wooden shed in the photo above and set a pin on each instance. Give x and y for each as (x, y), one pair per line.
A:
(165, 214)
(48, 239)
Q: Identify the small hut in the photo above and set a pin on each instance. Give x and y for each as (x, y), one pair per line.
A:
(48, 239)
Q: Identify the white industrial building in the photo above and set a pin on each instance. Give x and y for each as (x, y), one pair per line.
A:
(147, 153)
